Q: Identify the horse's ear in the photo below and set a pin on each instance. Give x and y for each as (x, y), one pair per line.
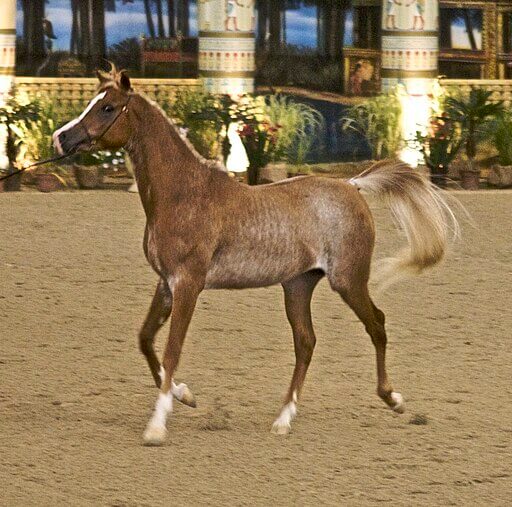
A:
(103, 76)
(124, 81)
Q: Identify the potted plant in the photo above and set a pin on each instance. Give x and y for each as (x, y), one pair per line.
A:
(51, 179)
(259, 140)
(501, 173)
(206, 119)
(299, 127)
(13, 116)
(473, 114)
(88, 170)
(377, 119)
(259, 135)
(439, 146)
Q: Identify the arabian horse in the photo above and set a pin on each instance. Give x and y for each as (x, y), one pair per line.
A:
(205, 230)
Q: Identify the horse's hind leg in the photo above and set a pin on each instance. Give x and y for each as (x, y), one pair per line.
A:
(298, 293)
(357, 297)
(158, 314)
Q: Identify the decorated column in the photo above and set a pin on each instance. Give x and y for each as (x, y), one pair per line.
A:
(227, 45)
(7, 62)
(409, 59)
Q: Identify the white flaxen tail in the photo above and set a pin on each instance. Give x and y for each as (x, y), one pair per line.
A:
(419, 209)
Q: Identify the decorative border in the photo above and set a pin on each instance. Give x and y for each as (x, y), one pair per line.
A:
(409, 33)
(407, 43)
(223, 44)
(409, 74)
(227, 35)
(227, 74)
(232, 86)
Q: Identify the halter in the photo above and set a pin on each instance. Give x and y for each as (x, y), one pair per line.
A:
(91, 141)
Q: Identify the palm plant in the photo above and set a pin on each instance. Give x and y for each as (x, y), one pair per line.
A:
(502, 136)
(378, 120)
(439, 147)
(473, 113)
(299, 127)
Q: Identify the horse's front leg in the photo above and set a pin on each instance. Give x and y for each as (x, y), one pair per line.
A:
(185, 291)
(158, 314)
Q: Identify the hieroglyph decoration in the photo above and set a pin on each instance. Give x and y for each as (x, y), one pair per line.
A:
(410, 15)
(226, 15)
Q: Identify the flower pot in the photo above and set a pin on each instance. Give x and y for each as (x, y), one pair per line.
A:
(438, 179)
(252, 174)
(470, 180)
(272, 173)
(88, 177)
(28, 178)
(11, 184)
(500, 176)
(48, 183)
(293, 175)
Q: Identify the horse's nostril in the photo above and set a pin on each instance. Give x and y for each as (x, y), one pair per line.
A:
(62, 136)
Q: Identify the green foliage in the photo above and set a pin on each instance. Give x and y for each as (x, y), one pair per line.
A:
(440, 145)
(208, 116)
(473, 113)
(14, 115)
(192, 109)
(259, 136)
(378, 120)
(37, 132)
(299, 126)
(503, 138)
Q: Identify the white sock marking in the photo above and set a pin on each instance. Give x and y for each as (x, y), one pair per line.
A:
(163, 407)
(287, 414)
(176, 390)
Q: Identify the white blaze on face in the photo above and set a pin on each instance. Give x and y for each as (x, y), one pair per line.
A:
(72, 123)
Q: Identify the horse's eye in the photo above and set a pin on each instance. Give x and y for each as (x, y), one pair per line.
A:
(107, 109)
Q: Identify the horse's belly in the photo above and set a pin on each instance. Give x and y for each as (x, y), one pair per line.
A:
(238, 270)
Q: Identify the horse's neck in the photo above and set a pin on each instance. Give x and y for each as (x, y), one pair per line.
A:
(163, 162)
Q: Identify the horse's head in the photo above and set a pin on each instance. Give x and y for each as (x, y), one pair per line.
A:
(104, 123)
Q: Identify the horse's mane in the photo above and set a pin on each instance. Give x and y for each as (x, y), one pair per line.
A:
(113, 79)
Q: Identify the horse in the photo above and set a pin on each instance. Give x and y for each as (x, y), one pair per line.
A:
(205, 230)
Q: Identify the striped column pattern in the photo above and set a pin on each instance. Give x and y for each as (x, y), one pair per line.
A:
(8, 39)
(7, 62)
(227, 45)
(410, 59)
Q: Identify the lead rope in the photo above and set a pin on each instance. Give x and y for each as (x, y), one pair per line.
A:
(35, 164)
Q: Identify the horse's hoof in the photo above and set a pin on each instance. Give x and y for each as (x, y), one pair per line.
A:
(154, 435)
(280, 428)
(184, 394)
(399, 404)
(187, 398)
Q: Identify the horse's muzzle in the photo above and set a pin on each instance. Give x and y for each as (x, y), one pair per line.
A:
(69, 139)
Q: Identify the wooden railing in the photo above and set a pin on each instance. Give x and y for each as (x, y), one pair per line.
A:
(79, 91)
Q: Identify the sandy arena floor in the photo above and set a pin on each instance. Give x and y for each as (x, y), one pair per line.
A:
(75, 394)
